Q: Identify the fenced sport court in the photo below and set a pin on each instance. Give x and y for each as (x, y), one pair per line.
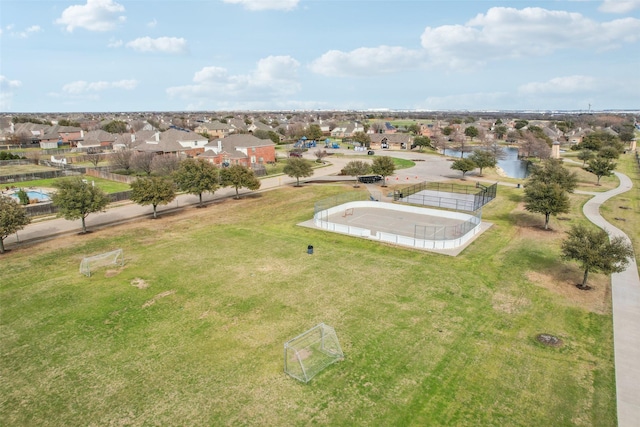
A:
(412, 226)
(448, 196)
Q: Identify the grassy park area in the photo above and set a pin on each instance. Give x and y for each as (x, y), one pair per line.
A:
(191, 330)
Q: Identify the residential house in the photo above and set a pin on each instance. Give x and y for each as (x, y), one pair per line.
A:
(173, 141)
(242, 149)
(394, 141)
(97, 140)
(214, 129)
(50, 141)
(347, 130)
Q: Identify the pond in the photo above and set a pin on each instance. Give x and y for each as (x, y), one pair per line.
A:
(511, 165)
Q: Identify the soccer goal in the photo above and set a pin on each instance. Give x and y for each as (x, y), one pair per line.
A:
(91, 263)
(309, 353)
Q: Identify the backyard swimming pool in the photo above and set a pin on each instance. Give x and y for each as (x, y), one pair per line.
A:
(40, 196)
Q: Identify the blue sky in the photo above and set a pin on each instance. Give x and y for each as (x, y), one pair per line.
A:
(168, 55)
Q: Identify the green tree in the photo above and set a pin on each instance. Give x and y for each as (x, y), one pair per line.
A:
(448, 130)
(196, 176)
(546, 198)
(595, 251)
(362, 138)
(414, 128)
(23, 196)
(599, 139)
(13, 217)
(610, 153)
(76, 199)
(552, 171)
(384, 166)
(239, 176)
(115, 126)
(297, 168)
(153, 191)
(483, 159)
(422, 141)
(463, 165)
(471, 132)
(356, 168)
(585, 155)
(521, 123)
(274, 137)
(600, 167)
(314, 132)
(500, 131)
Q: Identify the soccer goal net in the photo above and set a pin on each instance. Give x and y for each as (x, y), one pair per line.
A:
(312, 351)
(91, 263)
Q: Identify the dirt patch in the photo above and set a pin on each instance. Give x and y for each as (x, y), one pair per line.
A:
(562, 281)
(303, 354)
(139, 283)
(112, 272)
(509, 303)
(549, 340)
(157, 297)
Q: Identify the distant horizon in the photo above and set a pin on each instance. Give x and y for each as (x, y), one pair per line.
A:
(371, 111)
(70, 56)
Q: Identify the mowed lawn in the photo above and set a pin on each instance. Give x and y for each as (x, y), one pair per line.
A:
(191, 330)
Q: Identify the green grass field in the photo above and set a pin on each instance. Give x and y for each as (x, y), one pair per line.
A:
(191, 330)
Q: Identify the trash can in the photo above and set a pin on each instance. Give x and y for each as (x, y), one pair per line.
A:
(310, 250)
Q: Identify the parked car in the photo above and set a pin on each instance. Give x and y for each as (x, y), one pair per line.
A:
(295, 154)
(371, 152)
(370, 179)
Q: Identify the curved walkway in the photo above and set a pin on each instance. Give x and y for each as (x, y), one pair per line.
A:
(625, 291)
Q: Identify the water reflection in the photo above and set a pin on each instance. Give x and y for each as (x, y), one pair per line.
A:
(510, 165)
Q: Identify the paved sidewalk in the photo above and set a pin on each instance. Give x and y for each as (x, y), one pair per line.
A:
(625, 290)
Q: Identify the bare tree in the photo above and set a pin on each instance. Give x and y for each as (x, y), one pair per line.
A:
(492, 146)
(95, 158)
(165, 164)
(142, 160)
(34, 156)
(137, 125)
(320, 154)
(460, 143)
(121, 159)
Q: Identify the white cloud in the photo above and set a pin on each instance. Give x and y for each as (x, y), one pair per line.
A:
(6, 93)
(500, 33)
(153, 23)
(5, 83)
(274, 76)
(113, 43)
(266, 4)
(172, 45)
(512, 33)
(366, 61)
(96, 15)
(28, 32)
(560, 85)
(619, 6)
(80, 87)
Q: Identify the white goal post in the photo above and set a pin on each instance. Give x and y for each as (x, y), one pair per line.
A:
(310, 352)
(91, 263)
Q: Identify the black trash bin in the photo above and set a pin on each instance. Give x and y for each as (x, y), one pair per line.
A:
(310, 250)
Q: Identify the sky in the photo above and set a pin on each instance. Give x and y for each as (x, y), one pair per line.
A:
(293, 55)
